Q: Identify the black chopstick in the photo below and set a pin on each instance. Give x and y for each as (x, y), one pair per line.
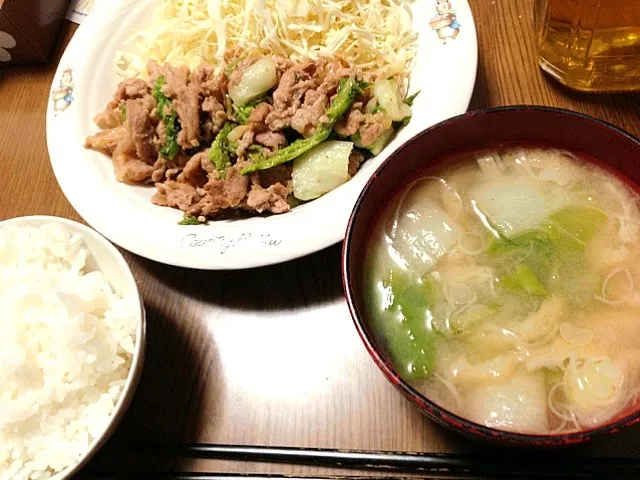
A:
(252, 476)
(510, 464)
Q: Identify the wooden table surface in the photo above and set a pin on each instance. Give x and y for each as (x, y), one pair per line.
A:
(270, 356)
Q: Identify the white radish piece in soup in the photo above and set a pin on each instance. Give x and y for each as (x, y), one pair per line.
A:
(519, 404)
(422, 232)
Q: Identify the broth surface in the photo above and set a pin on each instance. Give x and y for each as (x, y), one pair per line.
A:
(503, 288)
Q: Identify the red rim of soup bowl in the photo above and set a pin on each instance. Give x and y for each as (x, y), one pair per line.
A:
(615, 149)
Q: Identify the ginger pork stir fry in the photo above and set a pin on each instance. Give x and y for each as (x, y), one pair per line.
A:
(259, 135)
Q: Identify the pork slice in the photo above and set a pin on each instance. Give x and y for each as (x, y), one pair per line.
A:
(208, 131)
(172, 174)
(202, 74)
(259, 114)
(336, 63)
(242, 162)
(160, 138)
(110, 118)
(133, 88)
(187, 105)
(235, 187)
(245, 141)
(167, 170)
(350, 123)
(257, 118)
(372, 128)
(159, 169)
(129, 89)
(127, 167)
(175, 77)
(327, 74)
(370, 132)
(216, 86)
(181, 160)
(153, 71)
(287, 98)
(332, 79)
(218, 115)
(142, 131)
(218, 119)
(311, 113)
(206, 163)
(176, 195)
(221, 194)
(106, 141)
(211, 104)
(194, 172)
(270, 139)
(310, 69)
(355, 160)
(282, 65)
(209, 205)
(164, 169)
(272, 199)
(212, 89)
(279, 119)
(271, 176)
(150, 105)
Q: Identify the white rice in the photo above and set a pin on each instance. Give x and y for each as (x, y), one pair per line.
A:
(66, 346)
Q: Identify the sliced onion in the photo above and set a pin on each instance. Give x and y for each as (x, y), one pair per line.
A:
(237, 133)
(583, 411)
(603, 298)
(559, 429)
(491, 163)
(526, 166)
(575, 335)
(461, 309)
(451, 388)
(594, 385)
(560, 413)
(460, 294)
(486, 274)
(570, 155)
(556, 174)
(466, 248)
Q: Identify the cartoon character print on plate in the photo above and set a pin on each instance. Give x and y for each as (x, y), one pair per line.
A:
(445, 23)
(7, 42)
(63, 95)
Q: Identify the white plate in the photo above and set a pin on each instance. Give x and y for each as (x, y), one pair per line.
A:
(444, 72)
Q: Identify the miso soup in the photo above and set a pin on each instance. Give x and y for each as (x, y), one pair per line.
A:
(502, 286)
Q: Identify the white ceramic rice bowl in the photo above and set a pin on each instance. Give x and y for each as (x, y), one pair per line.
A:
(107, 259)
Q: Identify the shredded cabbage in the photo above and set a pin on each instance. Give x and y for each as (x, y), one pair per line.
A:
(375, 35)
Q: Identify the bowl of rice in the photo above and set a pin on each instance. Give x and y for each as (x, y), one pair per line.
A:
(72, 336)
